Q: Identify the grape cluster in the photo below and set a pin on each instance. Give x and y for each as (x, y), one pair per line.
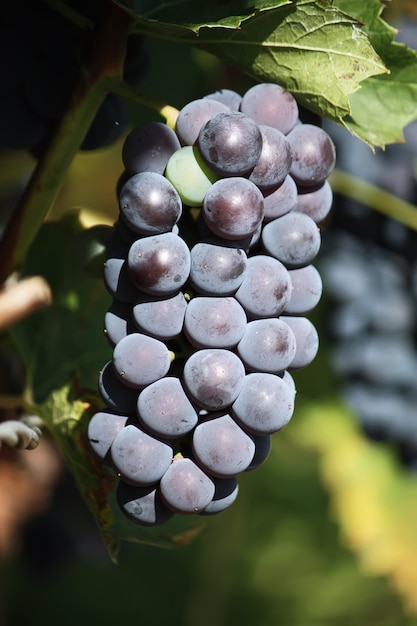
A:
(210, 270)
(370, 270)
(54, 40)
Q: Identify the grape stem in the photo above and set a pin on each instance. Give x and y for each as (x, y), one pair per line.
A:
(168, 112)
(374, 197)
(103, 66)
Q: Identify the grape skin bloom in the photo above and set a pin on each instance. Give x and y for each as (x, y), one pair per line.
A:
(213, 377)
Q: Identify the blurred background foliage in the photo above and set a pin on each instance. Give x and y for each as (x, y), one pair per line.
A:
(324, 533)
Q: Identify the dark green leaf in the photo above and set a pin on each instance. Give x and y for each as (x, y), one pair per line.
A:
(309, 47)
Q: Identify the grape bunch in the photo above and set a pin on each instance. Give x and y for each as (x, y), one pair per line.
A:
(210, 271)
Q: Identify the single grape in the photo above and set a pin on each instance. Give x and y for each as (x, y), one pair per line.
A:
(294, 239)
(264, 405)
(263, 445)
(213, 377)
(142, 505)
(225, 493)
(233, 208)
(217, 269)
(149, 203)
(102, 429)
(315, 203)
(221, 447)
(289, 380)
(160, 317)
(275, 160)
(165, 410)
(266, 287)
(139, 360)
(215, 322)
(280, 200)
(307, 341)
(230, 98)
(117, 321)
(114, 393)
(272, 105)
(194, 115)
(185, 488)
(306, 291)
(230, 143)
(139, 458)
(148, 147)
(268, 345)
(160, 264)
(190, 176)
(314, 155)
(115, 273)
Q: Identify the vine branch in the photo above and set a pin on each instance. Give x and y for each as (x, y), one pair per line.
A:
(374, 197)
(104, 64)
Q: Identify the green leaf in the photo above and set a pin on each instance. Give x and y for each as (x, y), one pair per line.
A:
(309, 47)
(65, 340)
(66, 413)
(384, 104)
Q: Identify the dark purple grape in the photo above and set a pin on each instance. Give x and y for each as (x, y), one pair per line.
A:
(114, 393)
(315, 203)
(265, 404)
(307, 341)
(142, 505)
(275, 160)
(108, 125)
(185, 488)
(263, 445)
(102, 429)
(221, 447)
(215, 322)
(226, 490)
(271, 104)
(148, 147)
(139, 458)
(216, 269)
(294, 239)
(117, 321)
(281, 200)
(162, 318)
(266, 287)
(314, 155)
(160, 264)
(149, 203)
(139, 360)
(306, 291)
(194, 115)
(268, 345)
(115, 273)
(230, 143)
(213, 378)
(165, 410)
(233, 208)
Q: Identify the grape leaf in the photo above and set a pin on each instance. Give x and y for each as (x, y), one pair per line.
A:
(66, 413)
(310, 47)
(65, 339)
(384, 104)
